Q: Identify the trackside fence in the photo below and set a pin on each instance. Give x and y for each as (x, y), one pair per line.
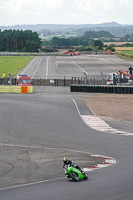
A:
(53, 81)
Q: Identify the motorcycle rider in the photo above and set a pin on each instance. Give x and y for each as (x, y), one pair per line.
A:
(71, 163)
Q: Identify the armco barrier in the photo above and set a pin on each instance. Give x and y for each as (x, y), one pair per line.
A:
(102, 89)
(16, 89)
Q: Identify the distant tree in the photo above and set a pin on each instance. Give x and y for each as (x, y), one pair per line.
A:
(98, 44)
(18, 40)
(90, 34)
(1, 41)
(97, 34)
(73, 41)
(55, 41)
(131, 38)
(127, 37)
(110, 47)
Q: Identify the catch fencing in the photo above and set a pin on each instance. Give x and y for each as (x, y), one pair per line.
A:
(54, 81)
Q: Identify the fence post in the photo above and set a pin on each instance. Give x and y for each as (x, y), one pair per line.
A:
(102, 77)
(64, 81)
(57, 82)
(40, 81)
(78, 80)
(72, 80)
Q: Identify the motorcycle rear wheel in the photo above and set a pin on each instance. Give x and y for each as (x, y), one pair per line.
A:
(85, 176)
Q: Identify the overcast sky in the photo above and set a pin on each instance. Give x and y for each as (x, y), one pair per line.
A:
(14, 12)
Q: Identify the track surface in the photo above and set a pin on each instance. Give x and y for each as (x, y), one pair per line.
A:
(74, 66)
(51, 120)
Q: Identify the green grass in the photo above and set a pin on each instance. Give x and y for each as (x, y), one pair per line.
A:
(127, 52)
(13, 64)
(125, 57)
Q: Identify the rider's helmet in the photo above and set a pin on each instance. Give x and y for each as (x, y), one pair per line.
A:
(65, 160)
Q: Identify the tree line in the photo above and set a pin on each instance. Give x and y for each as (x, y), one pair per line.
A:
(77, 41)
(19, 41)
(85, 40)
(72, 41)
(98, 34)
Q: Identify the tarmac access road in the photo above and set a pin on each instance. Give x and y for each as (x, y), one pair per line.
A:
(49, 67)
(51, 120)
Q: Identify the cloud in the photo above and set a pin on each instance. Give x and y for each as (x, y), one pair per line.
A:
(15, 6)
(65, 11)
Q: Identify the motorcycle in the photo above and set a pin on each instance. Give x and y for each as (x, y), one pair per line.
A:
(74, 173)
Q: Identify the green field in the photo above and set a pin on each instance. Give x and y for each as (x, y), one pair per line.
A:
(127, 52)
(13, 64)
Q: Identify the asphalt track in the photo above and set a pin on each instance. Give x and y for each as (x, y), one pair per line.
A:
(74, 66)
(51, 120)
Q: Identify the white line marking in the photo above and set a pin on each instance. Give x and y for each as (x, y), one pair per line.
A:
(77, 108)
(37, 67)
(79, 67)
(47, 68)
(28, 65)
(28, 184)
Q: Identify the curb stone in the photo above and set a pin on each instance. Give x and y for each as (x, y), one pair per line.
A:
(98, 124)
(108, 161)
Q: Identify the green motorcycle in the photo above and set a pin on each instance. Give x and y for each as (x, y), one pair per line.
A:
(74, 173)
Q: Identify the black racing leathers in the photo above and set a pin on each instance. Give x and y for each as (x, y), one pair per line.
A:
(71, 163)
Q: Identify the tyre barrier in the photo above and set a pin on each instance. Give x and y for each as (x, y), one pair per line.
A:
(102, 89)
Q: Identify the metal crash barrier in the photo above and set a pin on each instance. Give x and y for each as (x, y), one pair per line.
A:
(102, 89)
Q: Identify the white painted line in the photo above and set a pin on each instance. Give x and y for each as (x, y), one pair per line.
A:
(28, 65)
(37, 67)
(77, 108)
(98, 155)
(47, 67)
(79, 67)
(28, 184)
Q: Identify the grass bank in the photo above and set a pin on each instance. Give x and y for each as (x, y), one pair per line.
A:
(124, 54)
(128, 52)
(13, 64)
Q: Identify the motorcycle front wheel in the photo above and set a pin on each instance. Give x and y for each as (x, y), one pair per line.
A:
(74, 176)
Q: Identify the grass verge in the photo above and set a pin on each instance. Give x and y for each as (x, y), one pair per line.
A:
(123, 56)
(127, 52)
(13, 64)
